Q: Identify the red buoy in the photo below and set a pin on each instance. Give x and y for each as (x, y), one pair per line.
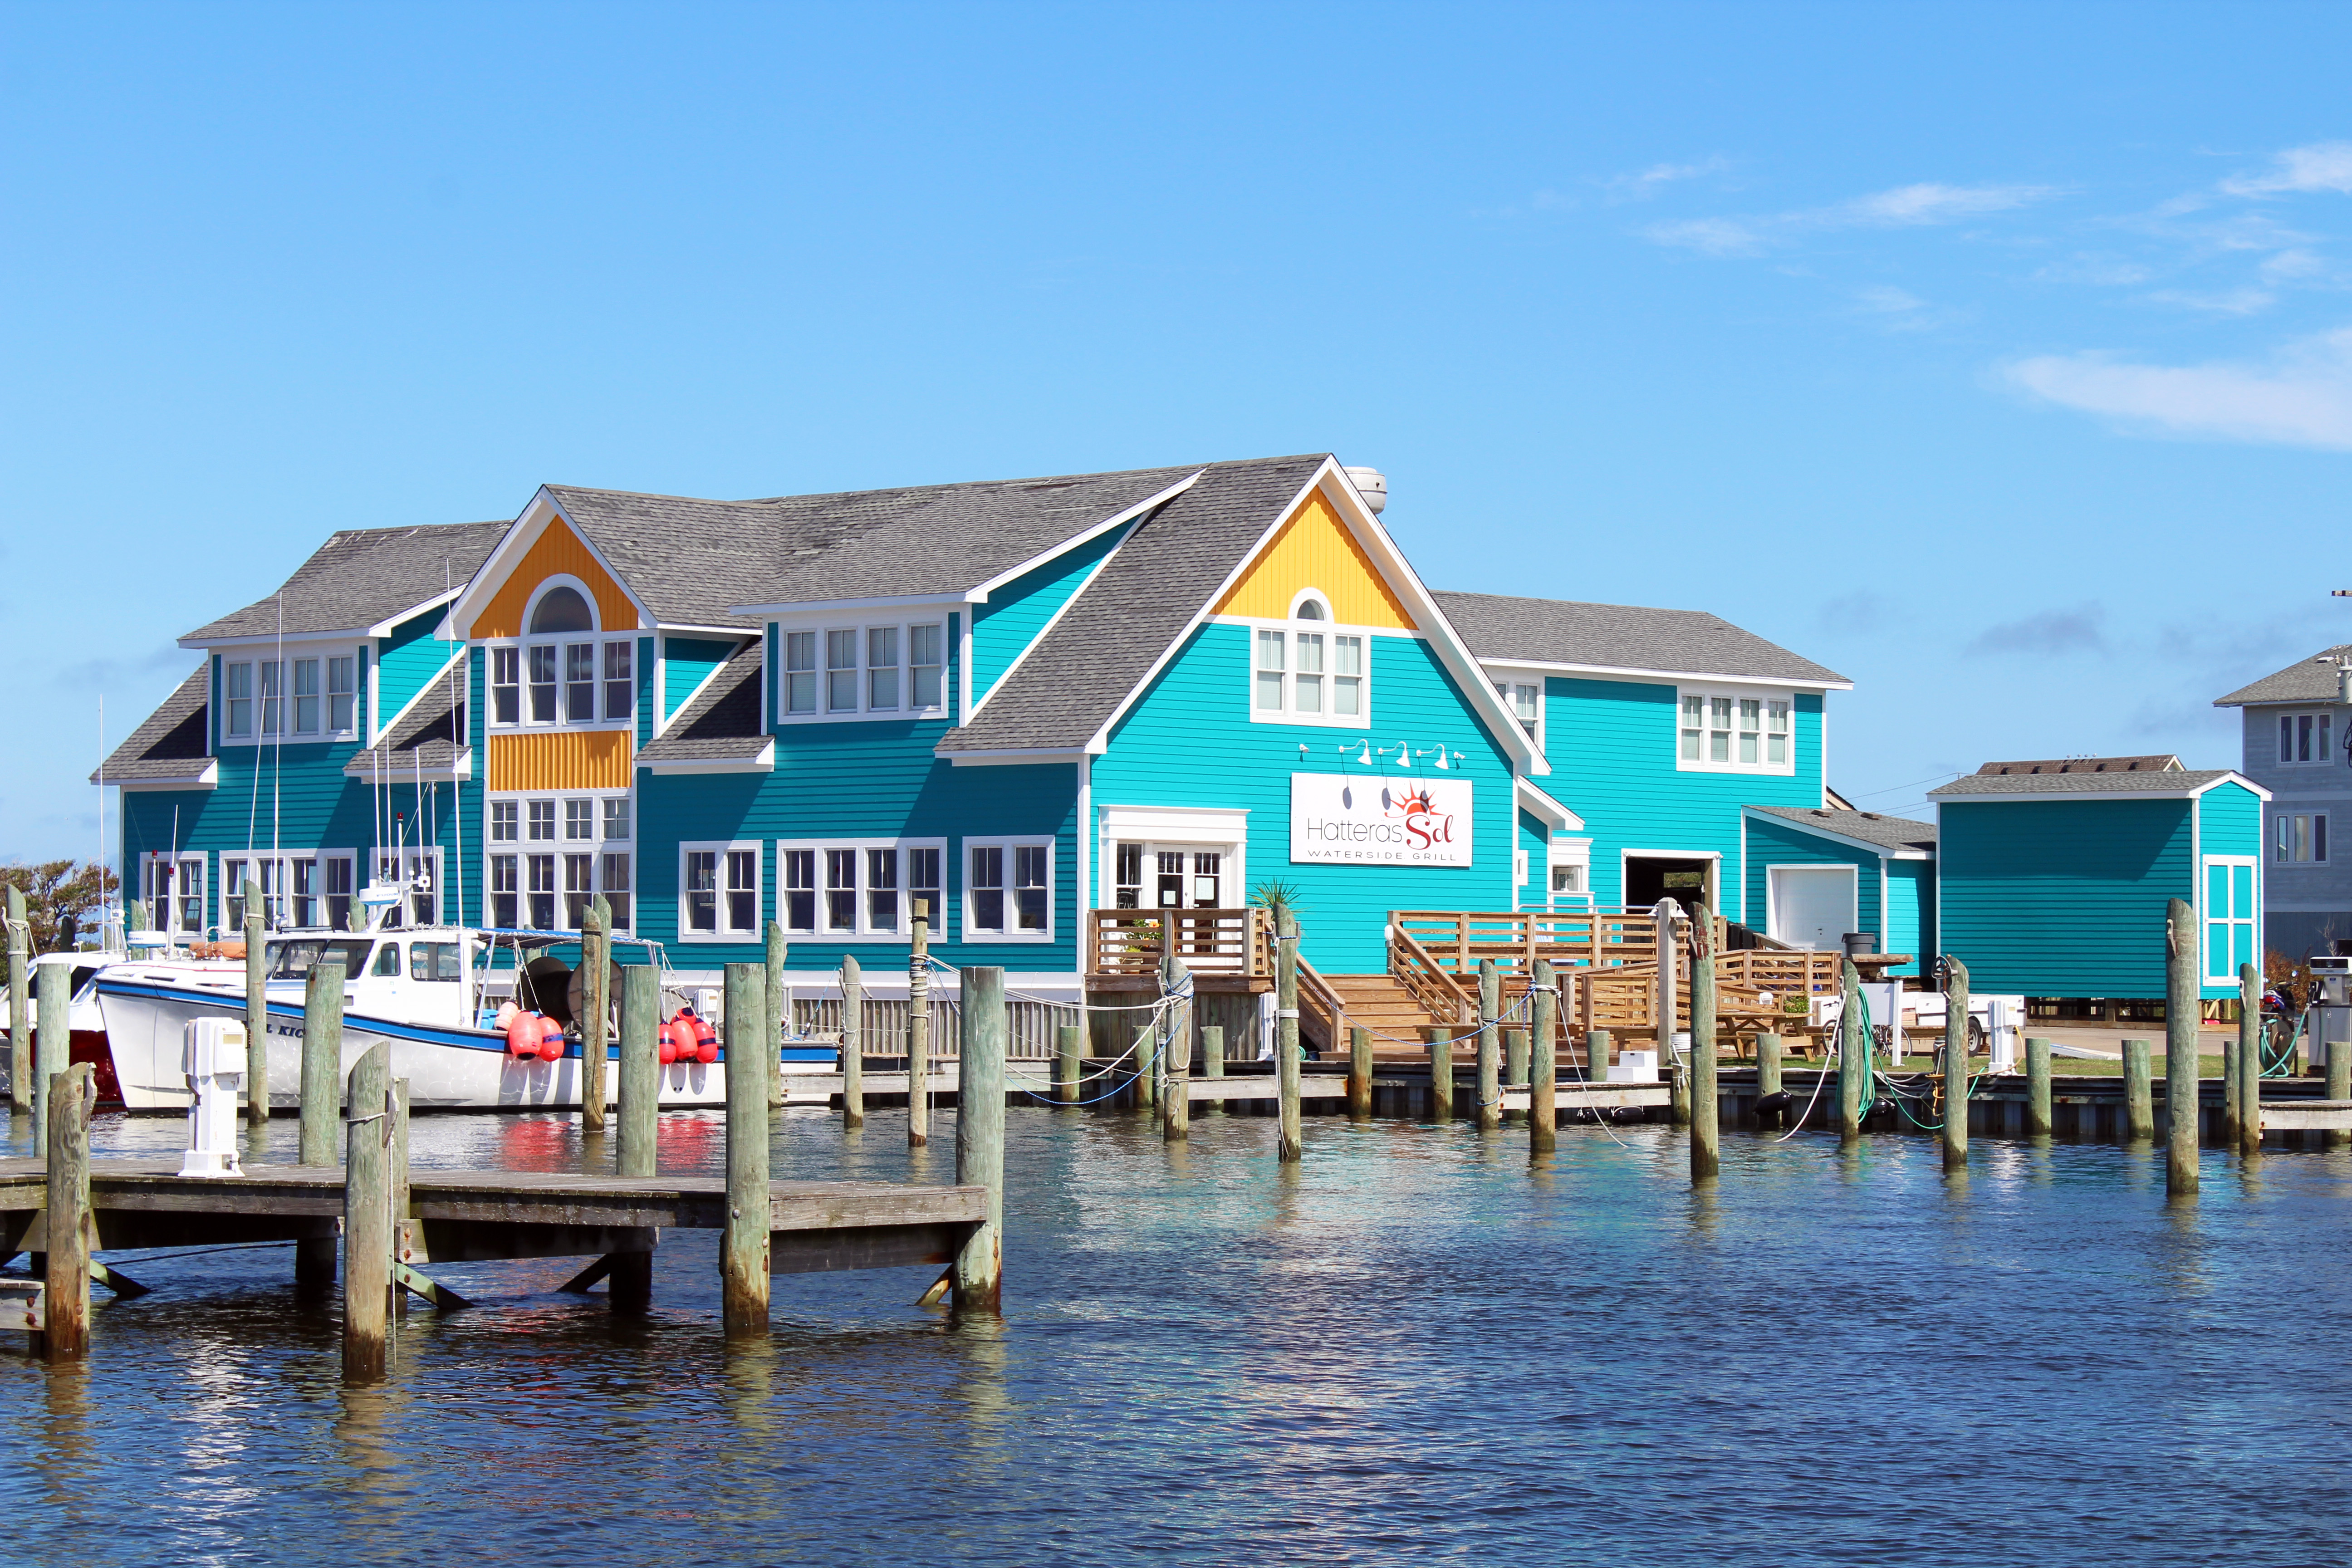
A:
(706, 1041)
(522, 1035)
(550, 1039)
(669, 1046)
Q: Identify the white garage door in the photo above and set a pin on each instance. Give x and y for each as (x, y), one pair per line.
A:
(1812, 906)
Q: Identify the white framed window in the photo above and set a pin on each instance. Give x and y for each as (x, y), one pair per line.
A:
(342, 691)
(550, 855)
(1568, 865)
(418, 871)
(1748, 731)
(718, 892)
(307, 708)
(273, 698)
(2307, 737)
(2300, 838)
(620, 683)
(236, 691)
(564, 673)
(300, 889)
(857, 889)
(890, 670)
(1525, 699)
(173, 888)
(1310, 670)
(1008, 890)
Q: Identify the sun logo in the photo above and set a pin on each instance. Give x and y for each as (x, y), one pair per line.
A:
(1413, 801)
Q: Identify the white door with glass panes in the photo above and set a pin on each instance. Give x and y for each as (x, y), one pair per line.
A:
(1813, 906)
(1170, 876)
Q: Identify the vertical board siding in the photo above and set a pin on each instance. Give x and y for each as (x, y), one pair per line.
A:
(2063, 898)
(1774, 843)
(1189, 740)
(687, 663)
(1611, 747)
(557, 551)
(561, 759)
(1014, 616)
(1313, 549)
(408, 660)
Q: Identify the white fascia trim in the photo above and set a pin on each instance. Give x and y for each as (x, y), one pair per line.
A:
(208, 779)
(200, 644)
(438, 676)
(1789, 682)
(979, 594)
(1545, 806)
(764, 762)
(1007, 759)
(384, 628)
(520, 536)
(1851, 842)
(843, 606)
(661, 724)
(1047, 629)
(688, 628)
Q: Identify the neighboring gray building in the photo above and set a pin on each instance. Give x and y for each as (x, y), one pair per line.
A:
(2297, 743)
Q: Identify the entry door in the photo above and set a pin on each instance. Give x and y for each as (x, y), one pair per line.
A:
(1813, 906)
(2228, 917)
(1208, 879)
(1169, 891)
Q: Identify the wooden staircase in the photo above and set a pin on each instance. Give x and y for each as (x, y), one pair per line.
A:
(1381, 1004)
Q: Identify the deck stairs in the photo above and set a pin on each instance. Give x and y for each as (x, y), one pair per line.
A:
(1384, 1005)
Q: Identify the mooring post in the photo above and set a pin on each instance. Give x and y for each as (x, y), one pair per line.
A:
(2229, 1092)
(65, 1289)
(633, 1272)
(321, 1107)
(853, 1044)
(52, 1045)
(1212, 1062)
(2037, 1087)
(1145, 1080)
(1177, 981)
(1441, 1072)
(1669, 991)
(367, 1217)
(1853, 1052)
(1767, 1075)
(1068, 1040)
(1290, 1145)
(1359, 1074)
(779, 1026)
(20, 1004)
(1956, 1061)
(596, 1009)
(2183, 996)
(2250, 1059)
(2140, 1097)
(1490, 1043)
(979, 1137)
(1706, 1129)
(744, 1240)
(919, 1026)
(2340, 1087)
(257, 1009)
(1543, 1059)
(402, 1234)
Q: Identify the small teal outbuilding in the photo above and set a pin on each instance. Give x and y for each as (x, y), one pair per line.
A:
(2054, 879)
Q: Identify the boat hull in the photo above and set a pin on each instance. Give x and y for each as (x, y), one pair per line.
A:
(446, 1068)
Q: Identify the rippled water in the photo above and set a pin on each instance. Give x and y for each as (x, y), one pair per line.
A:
(1411, 1346)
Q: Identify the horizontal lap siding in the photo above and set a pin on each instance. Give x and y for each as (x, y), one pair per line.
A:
(1535, 843)
(407, 662)
(2063, 898)
(1911, 912)
(294, 797)
(687, 664)
(1769, 844)
(2230, 822)
(1189, 742)
(1017, 612)
(1612, 746)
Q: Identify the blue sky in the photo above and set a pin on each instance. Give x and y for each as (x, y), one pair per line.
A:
(1999, 357)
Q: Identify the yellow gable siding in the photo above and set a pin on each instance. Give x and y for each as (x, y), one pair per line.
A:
(1315, 550)
(566, 758)
(557, 551)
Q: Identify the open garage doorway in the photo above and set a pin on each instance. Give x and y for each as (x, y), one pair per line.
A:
(1685, 879)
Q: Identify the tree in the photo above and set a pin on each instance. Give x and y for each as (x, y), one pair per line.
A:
(56, 889)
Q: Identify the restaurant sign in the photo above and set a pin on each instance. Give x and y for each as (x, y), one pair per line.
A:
(1355, 818)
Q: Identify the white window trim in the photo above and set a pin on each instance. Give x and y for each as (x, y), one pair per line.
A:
(865, 931)
(1505, 676)
(1772, 896)
(254, 859)
(2326, 756)
(524, 724)
(1219, 828)
(295, 651)
(1567, 852)
(759, 886)
(523, 845)
(973, 934)
(864, 626)
(2207, 920)
(2286, 820)
(178, 860)
(1764, 695)
(1290, 628)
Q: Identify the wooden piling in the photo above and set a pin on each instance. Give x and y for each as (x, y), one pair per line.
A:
(367, 1219)
(632, 1276)
(1853, 1052)
(1768, 1064)
(1176, 1124)
(1212, 1063)
(1359, 1074)
(20, 1004)
(1543, 1061)
(2340, 1087)
(1955, 1062)
(322, 1107)
(2229, 1093)
(1290, 1145)
(257, 1009)
(2139, 1099)
(1440, 1073)
(853, 1044)
(65, 1289)
(2250, 1059)
(2037, 1087)
(1144, 1081)
(1069, 1045)
(1490, 1044)
(1707, 1130)
(404, 1231)
(771, 1068)
(743, 1239)
(2183, 995)
(1669, 984)
(596, 1009)
(979, 1268)
(52, 1043)
(919, 1026)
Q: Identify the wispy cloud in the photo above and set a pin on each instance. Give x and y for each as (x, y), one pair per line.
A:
(2303, 397)
(2044, 633)
(99, 674)
(1711, 236)
(2317, 166)
(1649, 181)
(1900, 310)
(1904, 207)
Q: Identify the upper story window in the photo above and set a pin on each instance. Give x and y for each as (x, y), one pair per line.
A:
(236, 682)
(1308, 671)
(1525, 699)
(555, 676)
(2306, 737)
(298, 698)
(1735, 731)
(863, 672)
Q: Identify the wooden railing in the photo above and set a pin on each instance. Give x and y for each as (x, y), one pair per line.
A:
(1756, 990)
(1319, 1004)
(1429, 981)
(1456, 941)
(1210, 941)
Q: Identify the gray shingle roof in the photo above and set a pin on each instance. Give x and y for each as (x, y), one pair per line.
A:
(1621, 636)
(2307, 681)
(429, 727)
(722, 723)
(362, 576)
(1150, 590)
(2154, 763)
(692, 562)
(2176, 780)
(1870, 827)
(171, 743)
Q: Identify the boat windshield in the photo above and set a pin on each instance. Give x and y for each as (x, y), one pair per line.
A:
(292, 959)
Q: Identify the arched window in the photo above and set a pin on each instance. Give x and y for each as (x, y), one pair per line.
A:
(1311, 610)
(562, 609)
(1308, 671)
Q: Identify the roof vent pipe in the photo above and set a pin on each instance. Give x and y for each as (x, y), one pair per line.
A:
(1371, 484)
